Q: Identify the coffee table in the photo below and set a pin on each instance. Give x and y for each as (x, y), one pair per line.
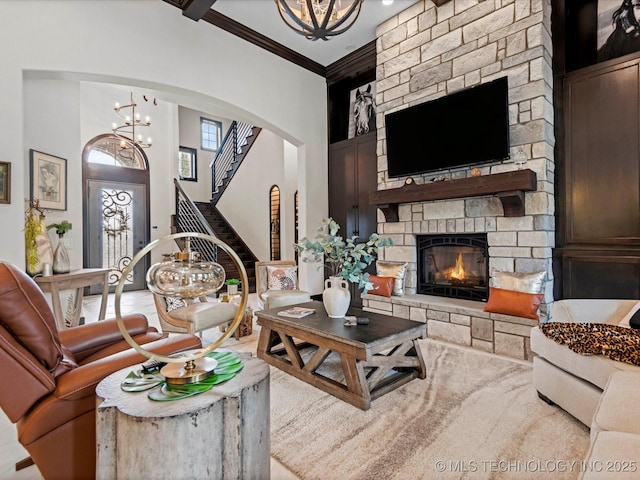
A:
(374, 359)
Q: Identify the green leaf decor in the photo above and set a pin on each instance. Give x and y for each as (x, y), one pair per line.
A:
(229, 364)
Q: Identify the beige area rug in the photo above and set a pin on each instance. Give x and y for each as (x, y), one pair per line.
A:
(474, 416)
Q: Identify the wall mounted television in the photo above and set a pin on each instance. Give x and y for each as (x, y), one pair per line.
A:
(467, 127)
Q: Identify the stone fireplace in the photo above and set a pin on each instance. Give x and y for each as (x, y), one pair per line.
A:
(453, 265)
(427, 52)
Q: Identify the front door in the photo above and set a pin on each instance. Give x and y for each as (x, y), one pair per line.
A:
(117, 229)
(116, 208)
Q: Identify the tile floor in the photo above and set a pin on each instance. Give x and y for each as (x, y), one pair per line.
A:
(139, 302)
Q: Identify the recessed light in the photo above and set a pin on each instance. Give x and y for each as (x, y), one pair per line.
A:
(387, 2)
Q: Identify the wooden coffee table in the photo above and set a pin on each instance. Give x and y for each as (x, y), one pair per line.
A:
(374, 358)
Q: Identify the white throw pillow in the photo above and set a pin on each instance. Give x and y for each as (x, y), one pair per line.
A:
(282, 278)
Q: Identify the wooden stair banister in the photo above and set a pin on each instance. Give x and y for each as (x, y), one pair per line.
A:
(509, 187)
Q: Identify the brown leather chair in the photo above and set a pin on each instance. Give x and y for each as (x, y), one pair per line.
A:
(49, 377)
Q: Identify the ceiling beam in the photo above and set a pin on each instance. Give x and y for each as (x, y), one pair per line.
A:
(235, 28)
(195, 9)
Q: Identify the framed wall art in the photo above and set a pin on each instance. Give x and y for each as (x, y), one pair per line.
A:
(48, 180)
(188, 164)
(362, 110)
(618, 31)
(5, 182)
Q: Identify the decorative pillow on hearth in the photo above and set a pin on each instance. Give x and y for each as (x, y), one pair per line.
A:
(282, 278)
(382, 286)
(519, 282)
(397, 270)
(511, 302)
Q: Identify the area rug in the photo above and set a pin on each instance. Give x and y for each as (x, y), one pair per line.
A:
(476, 415)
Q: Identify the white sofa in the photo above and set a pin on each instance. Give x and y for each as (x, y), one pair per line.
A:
(601, 393)
(575, 382)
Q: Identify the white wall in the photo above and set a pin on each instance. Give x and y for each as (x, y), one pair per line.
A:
(196, 62)
(262, 168)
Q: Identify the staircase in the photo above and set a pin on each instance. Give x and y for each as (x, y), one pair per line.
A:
(235, 146)
(228, 235)
(205, 218)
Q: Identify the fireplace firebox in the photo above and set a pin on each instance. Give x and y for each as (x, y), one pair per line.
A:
(453, 265)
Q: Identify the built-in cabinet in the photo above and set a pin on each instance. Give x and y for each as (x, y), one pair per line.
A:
(352, 161)
(352, 178)
(597, 122)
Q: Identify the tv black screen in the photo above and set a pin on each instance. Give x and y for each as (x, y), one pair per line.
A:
(466, 127)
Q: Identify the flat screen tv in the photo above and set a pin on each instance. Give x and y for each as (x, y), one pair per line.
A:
(467, 127)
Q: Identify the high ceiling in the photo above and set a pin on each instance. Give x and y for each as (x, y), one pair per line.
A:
(262, 16)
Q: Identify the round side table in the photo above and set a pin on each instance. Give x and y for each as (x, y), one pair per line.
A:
(220, 434)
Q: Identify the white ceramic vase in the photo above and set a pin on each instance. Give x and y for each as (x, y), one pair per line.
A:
(232, 289)
(336, 297)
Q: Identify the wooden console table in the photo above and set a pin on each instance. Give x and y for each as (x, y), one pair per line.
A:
(76, 279)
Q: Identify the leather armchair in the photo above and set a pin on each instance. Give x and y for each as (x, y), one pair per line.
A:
(49, 377)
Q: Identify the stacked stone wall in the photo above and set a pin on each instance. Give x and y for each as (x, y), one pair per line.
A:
(426, 52)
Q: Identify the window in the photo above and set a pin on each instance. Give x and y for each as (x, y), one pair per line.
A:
(211, 131)
(274, 220)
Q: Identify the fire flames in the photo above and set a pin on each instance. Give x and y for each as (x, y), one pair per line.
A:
(457, 271)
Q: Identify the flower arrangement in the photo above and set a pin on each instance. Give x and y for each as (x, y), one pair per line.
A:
(343, 258)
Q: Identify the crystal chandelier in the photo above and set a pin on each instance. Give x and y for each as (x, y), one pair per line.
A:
(127, 131)
(319, 18)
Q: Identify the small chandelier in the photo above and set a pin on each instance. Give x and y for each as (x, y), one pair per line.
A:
(127, 131)
(319, 18)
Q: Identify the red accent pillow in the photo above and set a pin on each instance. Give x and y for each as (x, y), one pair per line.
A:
(510, 302)
(382, 286)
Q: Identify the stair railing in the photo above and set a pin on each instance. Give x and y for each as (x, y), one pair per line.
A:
(229, 151)
(190, 219)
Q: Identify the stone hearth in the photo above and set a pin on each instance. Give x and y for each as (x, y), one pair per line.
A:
(426, 52)
(463, 322)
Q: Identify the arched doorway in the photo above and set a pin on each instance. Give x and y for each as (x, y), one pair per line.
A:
(115, 188)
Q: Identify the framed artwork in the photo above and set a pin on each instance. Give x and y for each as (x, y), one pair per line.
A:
(618, 30)
(188, 164)
(5, 182)
(362, 110)
(48, 180)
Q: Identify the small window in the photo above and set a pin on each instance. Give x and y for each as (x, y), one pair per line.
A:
(211, 132)
(188, 164)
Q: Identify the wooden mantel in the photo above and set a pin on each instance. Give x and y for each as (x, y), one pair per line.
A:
(509, 187)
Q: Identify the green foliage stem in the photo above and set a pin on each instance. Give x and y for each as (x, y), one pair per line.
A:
(343, 258)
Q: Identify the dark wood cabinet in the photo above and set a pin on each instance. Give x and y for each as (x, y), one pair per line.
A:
(352, 178)
(353, 171)
(598, 204)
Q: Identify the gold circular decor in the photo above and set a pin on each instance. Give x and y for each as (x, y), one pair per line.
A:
(194, 362)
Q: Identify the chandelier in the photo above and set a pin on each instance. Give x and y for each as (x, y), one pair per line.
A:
(126, 132)
(319, 18)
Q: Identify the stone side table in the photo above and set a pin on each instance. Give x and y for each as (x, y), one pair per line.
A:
(220, 434)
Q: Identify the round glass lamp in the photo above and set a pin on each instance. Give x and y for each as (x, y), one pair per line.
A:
(187, 277)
